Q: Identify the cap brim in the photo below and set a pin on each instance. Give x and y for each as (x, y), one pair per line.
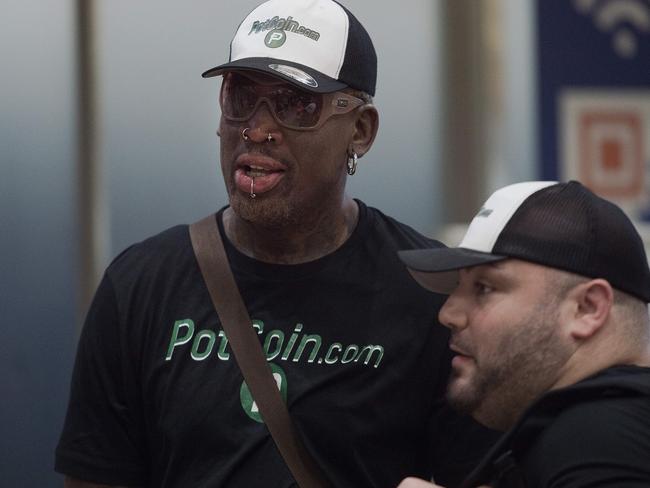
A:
(314, 81)
(437, 269)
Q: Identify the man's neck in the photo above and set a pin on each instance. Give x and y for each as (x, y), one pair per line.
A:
(292, 244)
(601, 355)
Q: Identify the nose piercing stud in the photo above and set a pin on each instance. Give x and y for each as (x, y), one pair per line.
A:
(243, 134)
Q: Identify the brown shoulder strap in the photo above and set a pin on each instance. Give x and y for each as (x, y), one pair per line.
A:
(211, 256)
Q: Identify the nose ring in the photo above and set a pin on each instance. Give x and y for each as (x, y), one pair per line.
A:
(245, 136)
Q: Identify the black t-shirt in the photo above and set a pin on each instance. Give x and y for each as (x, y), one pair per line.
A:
(158, 400)
(594, 434)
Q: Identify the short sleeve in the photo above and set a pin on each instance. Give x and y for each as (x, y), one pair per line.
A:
(601, 444)
(102, 438)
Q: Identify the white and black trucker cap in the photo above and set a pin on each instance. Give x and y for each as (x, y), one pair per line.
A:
(317, 45)
(560, 225)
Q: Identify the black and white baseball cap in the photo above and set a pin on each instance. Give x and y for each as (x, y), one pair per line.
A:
(560, 225)
(317, 45)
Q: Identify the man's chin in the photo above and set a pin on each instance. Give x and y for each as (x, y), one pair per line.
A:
(264, 211)
(481, 403)
(461, 395)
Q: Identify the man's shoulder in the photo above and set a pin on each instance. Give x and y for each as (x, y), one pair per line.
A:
(400, 234)
(601, 417)
(611, 394)
(579, 405)
(606, 420)
(166, 241)
(598, 439)
(158, 251)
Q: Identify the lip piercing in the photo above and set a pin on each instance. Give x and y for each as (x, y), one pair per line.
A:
(243, 134)
(253, 188)
(269, 137)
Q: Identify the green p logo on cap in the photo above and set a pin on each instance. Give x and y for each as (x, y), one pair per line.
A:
(275, 38)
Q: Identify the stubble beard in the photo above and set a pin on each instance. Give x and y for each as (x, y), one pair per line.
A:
(282, 210)
(274, 210)
(522, 367)
(274, 213)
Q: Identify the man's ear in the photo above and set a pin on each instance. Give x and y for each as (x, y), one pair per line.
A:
(591, 304)
(365, 129)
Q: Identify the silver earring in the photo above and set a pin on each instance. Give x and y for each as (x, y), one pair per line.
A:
(243, 133)
(352, 163)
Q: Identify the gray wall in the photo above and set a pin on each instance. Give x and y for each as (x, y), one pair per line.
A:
(37, 234)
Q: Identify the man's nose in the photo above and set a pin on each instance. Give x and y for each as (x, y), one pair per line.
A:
(453, 313)
(262, 125)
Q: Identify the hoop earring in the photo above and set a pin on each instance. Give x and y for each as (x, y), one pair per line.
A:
(243, 134)
(352, 163)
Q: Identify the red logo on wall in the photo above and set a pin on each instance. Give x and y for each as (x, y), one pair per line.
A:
(611, 153)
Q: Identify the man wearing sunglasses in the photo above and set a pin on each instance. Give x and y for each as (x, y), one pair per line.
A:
(353, 343)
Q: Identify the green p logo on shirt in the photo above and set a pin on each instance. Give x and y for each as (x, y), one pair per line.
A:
(248, 403)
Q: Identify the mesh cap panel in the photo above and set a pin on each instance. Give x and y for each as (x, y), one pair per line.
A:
(566, 226)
